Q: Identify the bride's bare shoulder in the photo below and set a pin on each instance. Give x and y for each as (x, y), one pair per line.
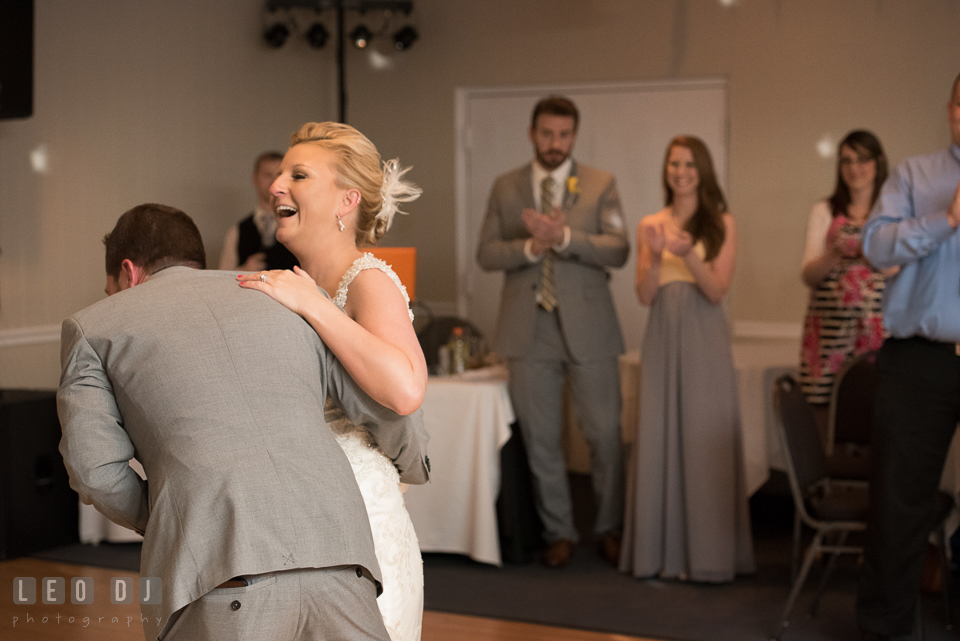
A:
(374, 288)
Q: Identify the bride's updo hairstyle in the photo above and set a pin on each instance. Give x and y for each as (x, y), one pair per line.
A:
(357, 166)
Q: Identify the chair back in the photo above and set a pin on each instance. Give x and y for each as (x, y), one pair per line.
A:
(438, 331)
(797, 428)
(851, 402)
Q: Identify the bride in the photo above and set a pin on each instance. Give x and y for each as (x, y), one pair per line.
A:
(332, 198)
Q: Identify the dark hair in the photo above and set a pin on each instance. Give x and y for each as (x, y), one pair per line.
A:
(556, 106)
(154, 237)
(953, 88)
(266, 157)
(862, 142)
(706, 224)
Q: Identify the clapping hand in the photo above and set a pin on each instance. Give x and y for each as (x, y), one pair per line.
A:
(835, 240)
(679, 242)
(660, 237)
(545, 229)
(656, 238)
(953, 211)
(292, 289)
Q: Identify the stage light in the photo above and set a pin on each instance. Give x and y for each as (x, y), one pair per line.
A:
(360, 36)
(405, 38)
(317, 35)
(276, 35)
(312, 20)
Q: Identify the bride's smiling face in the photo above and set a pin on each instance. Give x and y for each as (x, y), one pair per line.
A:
(305, 196)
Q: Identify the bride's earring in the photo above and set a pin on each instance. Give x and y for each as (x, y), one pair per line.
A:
(340, 222)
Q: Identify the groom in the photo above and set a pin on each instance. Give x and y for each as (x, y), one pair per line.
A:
(251, 516)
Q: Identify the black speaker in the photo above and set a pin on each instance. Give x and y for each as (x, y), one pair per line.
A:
(16, 58)
(38, 510)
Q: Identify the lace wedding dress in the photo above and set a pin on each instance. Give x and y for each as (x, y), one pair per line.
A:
(395, 542)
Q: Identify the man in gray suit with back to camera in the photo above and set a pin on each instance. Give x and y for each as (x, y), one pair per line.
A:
(250, 514)
(554, 227)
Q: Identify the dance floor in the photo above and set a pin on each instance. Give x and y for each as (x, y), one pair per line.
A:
(587, 601)
(105, 622)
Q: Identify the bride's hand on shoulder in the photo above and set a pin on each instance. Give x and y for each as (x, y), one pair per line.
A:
(295, 290)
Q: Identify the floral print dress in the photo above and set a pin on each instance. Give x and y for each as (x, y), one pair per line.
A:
(844, 316)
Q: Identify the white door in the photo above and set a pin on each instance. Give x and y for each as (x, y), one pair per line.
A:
(624, 129)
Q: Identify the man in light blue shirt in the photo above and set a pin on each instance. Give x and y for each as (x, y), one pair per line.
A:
(914, 227)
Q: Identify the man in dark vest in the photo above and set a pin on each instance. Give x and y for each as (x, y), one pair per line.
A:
(251, 245)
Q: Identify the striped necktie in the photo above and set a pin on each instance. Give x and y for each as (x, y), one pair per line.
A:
(546, 290)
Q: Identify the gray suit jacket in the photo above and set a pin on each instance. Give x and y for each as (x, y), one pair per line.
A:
(219, 392)
(597, 241)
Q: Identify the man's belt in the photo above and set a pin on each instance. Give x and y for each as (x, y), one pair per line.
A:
(944, 345)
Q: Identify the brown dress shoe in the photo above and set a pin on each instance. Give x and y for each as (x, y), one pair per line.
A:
(558, 553)
(609, 548)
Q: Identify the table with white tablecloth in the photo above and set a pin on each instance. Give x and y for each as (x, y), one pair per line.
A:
(468, 418)
(758, 363)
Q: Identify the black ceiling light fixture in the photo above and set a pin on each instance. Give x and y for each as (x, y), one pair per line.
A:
(317, 35)
(361, 36)
(277, 32)
(405, 37)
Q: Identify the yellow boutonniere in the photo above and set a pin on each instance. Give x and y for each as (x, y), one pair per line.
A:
(573, 185)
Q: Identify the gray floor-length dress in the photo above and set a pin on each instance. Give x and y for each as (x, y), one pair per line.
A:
(686, 513)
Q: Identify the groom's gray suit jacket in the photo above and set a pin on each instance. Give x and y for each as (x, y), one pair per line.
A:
(219, 392)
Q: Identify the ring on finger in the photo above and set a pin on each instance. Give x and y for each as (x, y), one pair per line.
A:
(263, 277)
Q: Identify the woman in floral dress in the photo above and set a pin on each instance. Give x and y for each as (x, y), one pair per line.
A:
(844, 313)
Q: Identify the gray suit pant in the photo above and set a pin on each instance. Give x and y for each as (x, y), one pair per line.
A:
(326, 604)
(536, 388)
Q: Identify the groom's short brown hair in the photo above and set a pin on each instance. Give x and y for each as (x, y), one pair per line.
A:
(154, 237)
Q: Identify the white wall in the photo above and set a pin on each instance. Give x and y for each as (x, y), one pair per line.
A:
(797, 71)
(140, 101)
(134, 102)
(625, 128)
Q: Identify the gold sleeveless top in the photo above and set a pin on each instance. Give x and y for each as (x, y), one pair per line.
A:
(672, 267)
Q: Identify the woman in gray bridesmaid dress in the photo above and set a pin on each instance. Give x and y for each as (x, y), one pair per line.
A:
(686, 515)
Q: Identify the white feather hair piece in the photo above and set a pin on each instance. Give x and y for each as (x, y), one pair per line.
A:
(395, 191)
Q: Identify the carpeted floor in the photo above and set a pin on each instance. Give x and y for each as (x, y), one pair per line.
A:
(589, 594)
